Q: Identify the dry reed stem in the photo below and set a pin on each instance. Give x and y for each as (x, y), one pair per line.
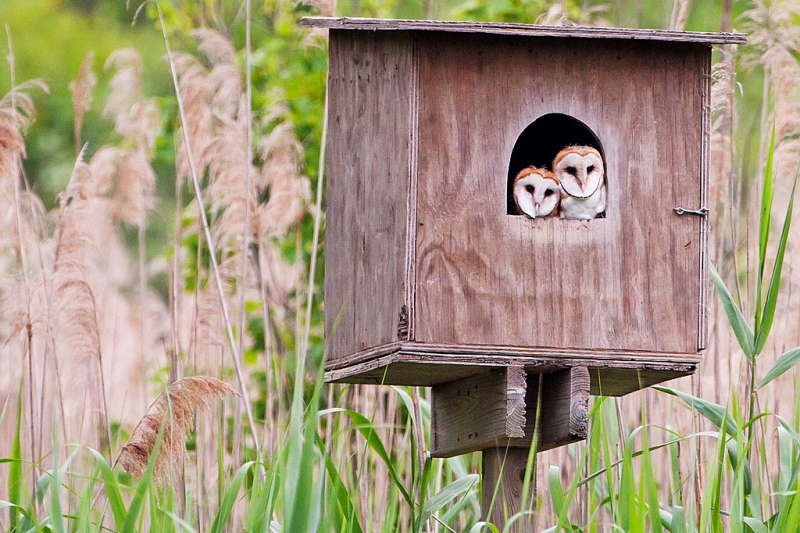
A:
(680, 14)
(173, 411)
(208, 236)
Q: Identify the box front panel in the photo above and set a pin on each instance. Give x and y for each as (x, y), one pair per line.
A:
(630, 281)
(369, 104)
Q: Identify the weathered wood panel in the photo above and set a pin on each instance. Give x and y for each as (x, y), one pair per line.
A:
(369, 93)
(611, 373)
(507, 28)
(627, 282)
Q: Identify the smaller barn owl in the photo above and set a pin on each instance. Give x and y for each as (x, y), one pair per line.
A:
(580, 171)
(537, 192)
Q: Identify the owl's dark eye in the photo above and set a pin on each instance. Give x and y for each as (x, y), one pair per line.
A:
(548, 192)
(572, 170)
(590, 169)
(529, 188)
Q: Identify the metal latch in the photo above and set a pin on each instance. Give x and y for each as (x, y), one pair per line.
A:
(702, 212)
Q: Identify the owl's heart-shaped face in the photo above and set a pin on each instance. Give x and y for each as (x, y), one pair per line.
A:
(537, 192)
(580, 170)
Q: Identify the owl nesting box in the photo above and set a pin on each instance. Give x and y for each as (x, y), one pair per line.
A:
(432, 273)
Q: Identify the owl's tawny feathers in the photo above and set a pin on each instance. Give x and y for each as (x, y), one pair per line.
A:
(537, 192)
(581, 173)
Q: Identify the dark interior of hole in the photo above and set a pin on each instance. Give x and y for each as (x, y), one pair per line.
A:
(541, 141)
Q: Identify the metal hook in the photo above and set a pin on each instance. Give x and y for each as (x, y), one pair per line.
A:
(702, 212)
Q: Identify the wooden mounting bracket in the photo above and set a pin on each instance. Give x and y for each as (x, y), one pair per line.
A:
(498, 409)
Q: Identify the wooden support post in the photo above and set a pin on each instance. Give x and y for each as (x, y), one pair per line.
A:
(496, 412)
(563, 418)
(503, 482)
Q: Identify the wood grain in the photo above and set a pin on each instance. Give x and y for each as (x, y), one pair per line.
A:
(368, 178)
(414, 364)
(505, 28)
(502, 483)
(473, 413)
(564, 411)
(705, 187)
(626, 282)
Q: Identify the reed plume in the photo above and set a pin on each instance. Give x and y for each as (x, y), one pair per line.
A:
(81, 90)
(173, 411)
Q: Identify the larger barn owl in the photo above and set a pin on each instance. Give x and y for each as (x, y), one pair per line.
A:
(580, 171)
(537, 192)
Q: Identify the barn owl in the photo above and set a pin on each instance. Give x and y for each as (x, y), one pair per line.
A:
(537, 192)
(580, 171)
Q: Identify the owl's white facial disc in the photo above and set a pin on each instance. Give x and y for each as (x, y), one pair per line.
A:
(536, 192)
(579, 170)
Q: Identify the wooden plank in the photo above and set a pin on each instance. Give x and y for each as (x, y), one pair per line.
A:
(607, 377)
(438, 352)
(627, 281)
(369, 84)
(410, 285)
(505, 28)
(502, 484)
(705, 186)
(472, 414)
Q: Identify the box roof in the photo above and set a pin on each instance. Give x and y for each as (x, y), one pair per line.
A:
(504, 28)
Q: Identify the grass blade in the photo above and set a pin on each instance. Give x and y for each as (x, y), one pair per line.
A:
(714, 413)
(344, 501)
(15, 468)
(367, 430)
(225, 508)
(450, 492)
(765, 325)
(737, 321)
(782, 364)
(764, 223)
(112, 489)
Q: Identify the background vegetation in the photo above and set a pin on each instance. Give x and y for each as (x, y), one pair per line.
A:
(157, 228)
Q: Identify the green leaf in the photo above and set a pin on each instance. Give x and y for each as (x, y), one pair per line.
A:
(15, 469)
(344, 500)
(112, 489)
(747, 475)
(450, 492)
(480, 527)
(367, 430)
(714, 413)
(556, 490)
(740, 328)
(782, 364)
(764, 224)
(229, 499)
(756, 525)
(765, 325)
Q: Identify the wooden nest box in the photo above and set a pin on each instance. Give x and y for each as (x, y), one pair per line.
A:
(430, 274)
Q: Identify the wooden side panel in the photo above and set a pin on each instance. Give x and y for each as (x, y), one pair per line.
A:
(369, 122)
(626, 282)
